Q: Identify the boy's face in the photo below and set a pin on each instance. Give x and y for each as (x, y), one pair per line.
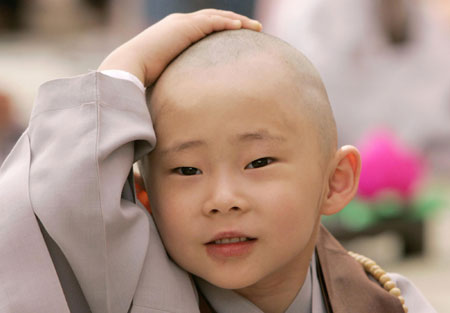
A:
(235, 158)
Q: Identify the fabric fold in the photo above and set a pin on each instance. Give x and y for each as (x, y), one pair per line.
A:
(28, 280)
(83, 133)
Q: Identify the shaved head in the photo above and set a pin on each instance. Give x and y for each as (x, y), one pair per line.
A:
(237, 48)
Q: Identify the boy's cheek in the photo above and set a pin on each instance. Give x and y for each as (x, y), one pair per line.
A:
(166, 223)
(164, 208)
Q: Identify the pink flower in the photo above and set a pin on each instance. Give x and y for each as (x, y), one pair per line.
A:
(388, 167)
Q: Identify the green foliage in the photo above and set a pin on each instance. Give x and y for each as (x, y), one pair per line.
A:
(360, 214)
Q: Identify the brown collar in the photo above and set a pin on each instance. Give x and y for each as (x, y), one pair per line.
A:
(345, 284)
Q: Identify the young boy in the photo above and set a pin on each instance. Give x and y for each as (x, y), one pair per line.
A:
(244, 166)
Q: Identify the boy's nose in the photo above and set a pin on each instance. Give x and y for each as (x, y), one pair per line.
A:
(224, 196)
(224, 210)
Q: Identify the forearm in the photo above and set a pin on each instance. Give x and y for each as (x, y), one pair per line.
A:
(85, 132)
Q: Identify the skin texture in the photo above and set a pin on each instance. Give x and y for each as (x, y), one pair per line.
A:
(215, 126)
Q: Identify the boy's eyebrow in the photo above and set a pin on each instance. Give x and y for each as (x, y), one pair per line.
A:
(260, 135)
(183, 146)
(245, 137)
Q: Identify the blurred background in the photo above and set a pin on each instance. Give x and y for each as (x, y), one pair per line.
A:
(386, 66)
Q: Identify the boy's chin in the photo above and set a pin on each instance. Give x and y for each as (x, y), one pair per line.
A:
(230, 282)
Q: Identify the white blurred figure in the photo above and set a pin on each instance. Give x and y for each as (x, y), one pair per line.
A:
(384, 62)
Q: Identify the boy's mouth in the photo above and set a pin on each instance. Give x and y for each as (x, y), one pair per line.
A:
(230, 240)
(230, 244)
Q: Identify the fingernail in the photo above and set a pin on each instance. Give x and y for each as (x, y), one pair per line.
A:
(257, 24)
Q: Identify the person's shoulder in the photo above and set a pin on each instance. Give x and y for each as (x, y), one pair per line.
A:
(412, 295)
(397, 285)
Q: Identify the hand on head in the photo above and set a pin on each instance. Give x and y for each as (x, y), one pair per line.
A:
(147, 54)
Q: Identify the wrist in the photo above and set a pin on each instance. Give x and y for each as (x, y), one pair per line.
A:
(124, 62)
(119, 74)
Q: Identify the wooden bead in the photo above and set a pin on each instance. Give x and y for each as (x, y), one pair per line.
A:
(389, 285)
(384, 278)
(395, 292)
(402, 300)
(360, 259)
(378, 273)
(374, 268)
(369, 264)
(405, 308)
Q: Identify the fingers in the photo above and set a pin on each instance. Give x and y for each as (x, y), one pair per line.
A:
(219, 23)
(168, 38)
(206, 24)
(202, 23)
(229, 15)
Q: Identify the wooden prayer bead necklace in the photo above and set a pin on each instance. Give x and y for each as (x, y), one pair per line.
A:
(380, 275)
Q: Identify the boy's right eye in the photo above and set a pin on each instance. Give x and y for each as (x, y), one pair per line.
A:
(187, 171)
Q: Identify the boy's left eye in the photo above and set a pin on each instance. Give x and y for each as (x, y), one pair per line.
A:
(259, 163)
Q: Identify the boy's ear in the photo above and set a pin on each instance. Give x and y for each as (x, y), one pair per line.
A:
(343, 180)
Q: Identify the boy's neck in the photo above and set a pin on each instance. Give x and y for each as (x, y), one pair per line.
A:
(275, 298)
(276, 295)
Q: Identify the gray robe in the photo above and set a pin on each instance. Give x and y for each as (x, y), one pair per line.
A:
(71, 170)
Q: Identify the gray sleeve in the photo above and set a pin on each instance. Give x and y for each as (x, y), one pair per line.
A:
(28, 281)
(414, 299)
(85, 133)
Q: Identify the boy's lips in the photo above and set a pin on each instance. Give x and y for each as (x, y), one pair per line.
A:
(230, 244)
(229, 237)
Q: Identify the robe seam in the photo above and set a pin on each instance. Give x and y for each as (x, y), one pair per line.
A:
(105, 256)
